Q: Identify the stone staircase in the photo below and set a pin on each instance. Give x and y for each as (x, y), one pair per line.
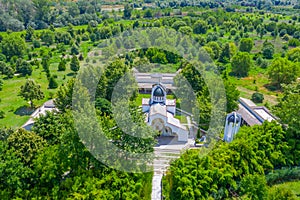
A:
(164, 154)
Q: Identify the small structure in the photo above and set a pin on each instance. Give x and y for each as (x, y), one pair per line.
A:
(48, 106)
(252, 114)
(160, 114)
(232, 126)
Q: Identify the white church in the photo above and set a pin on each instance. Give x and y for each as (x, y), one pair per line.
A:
(160, 114)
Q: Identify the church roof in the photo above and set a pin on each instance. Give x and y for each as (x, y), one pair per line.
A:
(158, 92)
(158, 109)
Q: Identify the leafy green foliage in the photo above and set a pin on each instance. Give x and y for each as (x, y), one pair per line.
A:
(246, 44)
(282, 71)
(268, 50)
(74, 65)
(241, 63)
(31, 91)
(229, 169)
(13, 46)
(287, 110)
(257, 97)
(52, 83)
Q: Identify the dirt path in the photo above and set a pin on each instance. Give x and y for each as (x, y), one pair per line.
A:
(272, 99)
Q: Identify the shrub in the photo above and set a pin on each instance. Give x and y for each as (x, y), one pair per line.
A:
(294, 42)
(257, 97)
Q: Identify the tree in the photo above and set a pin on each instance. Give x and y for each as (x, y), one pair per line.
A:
(42, 9)
(29, 34)
(283, 71)
(24, 68)
(25, 144)
(241, 64)
(148, 14)
(246, 44)
(74, 65)
(232, 96)
(254, 186)
(74, 50)
(288, 110)
(64, 95)
(52, 83)
(127, 11)
(177, 24)
(257, 97)
(62, 65)
(294, 54)
(268, 50)
(200, 27)
(225, 55)
(46, 64)
(1, 85)
(13, 46)
(31, 91)
(47, 37)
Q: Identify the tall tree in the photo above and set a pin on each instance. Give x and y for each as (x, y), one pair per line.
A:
(127, 11)
(241, 64)
(74, 65)
(246, 44)
(13, 46)
(288, 112)
(31, 91)
(200, 27)
(283, 71)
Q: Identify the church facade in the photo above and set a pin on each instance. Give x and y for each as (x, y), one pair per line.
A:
(160, 114)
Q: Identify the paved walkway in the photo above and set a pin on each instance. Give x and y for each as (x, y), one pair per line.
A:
(168, 150)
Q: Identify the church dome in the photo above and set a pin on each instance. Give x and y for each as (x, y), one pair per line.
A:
(233, 118)
(158, 92)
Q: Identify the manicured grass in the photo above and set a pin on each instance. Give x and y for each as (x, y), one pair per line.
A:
(14, 105)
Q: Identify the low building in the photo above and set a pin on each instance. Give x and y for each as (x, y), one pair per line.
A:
(252, 114)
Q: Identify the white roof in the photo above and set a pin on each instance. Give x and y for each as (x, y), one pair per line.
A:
(175, 122)
(158, 109)
(171, 102)
(264, 114)
(248, 102)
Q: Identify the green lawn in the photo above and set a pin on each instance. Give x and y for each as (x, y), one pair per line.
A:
(16, 109)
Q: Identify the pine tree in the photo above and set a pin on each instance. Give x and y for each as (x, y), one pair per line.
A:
(62, 65)
(52, 83)
(74, 65)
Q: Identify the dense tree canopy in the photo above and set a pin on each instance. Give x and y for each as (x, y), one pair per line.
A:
(13, 46)
(282, 71)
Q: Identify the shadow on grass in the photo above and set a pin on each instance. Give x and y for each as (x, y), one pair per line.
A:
(272, 87)
(24, 111)
(71, 74)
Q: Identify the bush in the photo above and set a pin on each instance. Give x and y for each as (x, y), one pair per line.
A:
(2, 114)
(286, 37)
(294, 42)
(36, 44)
(257, 97)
